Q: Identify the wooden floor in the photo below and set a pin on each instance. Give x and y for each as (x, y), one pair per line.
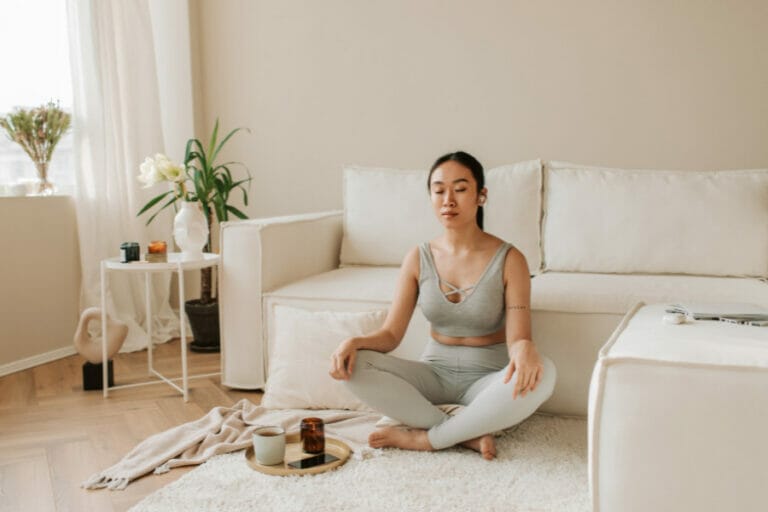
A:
(53, 435)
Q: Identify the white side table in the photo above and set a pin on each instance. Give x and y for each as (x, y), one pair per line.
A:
(176, 264)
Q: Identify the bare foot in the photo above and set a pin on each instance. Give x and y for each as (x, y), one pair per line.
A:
(407, 439)
(484, 445)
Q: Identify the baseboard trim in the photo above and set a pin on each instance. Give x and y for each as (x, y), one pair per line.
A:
(29, 362)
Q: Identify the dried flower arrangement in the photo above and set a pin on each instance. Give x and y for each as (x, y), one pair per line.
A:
(37, 131)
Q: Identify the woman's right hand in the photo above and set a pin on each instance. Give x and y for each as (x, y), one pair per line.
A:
(343, 360)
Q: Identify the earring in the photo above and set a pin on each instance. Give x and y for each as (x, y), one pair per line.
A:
(481, 202)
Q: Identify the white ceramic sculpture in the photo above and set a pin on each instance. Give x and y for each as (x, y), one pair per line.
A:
(190, 230)
(116, 334)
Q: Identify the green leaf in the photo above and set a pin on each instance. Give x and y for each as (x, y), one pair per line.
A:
(153, 202)
(166, 205)
(212, 143)
(222, 189)
(224, 172)
(224, 141)
(236, 212)
(245, 195)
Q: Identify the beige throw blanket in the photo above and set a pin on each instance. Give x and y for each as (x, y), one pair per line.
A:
(223, 430)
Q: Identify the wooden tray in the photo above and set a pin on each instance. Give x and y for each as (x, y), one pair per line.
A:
(293, 452)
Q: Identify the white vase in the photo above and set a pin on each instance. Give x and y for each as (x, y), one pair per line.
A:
(190, 230)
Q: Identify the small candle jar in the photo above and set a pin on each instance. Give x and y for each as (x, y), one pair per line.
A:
(312, 435)
(129, 251)
(157, 251)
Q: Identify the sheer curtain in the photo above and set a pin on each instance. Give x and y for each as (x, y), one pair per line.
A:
(118, 122)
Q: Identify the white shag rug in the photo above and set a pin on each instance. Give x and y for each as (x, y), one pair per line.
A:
(540, 466)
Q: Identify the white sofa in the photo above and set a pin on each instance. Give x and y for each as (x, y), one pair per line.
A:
(677, 417)
(597, 240)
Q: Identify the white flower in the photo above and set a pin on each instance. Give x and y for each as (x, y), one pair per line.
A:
(171, 171)
(160, 168)
(149, 174)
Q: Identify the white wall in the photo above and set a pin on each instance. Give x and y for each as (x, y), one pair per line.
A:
(40, 276)
(650, 84)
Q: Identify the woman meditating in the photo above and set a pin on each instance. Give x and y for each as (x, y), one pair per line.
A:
(474, 289)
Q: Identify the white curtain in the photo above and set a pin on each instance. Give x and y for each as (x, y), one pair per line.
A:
(117, 123)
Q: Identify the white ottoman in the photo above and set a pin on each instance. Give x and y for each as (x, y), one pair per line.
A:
(678, 417)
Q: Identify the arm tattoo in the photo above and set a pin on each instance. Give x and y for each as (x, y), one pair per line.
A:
(517, 306)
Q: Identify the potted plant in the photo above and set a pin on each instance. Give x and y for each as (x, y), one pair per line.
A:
(210, 185)
(37, 131)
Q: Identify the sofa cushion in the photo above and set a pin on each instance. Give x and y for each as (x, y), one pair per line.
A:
(387, 212)
(617, 293)
(352, 284)
(550, 291)
(620, 221)
(298, 367)
(355, 288)
(513, 210)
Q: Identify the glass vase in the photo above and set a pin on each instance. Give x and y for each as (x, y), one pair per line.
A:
(43, 187)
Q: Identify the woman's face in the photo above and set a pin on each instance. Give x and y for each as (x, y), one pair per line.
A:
(454, 194)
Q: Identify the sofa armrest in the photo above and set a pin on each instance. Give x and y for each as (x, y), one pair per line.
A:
(258, 256)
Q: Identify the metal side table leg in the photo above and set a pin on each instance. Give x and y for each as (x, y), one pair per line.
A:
(183, 335)
(147, 285)
(104, 362)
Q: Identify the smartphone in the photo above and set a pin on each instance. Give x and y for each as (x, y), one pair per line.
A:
(744, 321)
(315, 460)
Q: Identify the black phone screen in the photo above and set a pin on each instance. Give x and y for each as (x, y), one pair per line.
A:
(315, 460)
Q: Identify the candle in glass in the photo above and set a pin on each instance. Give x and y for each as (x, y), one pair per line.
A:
(157, 251)
(312, 435)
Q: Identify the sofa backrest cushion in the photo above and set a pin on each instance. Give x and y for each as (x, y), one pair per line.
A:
(387, 212)
(513, 210)
(631, 221)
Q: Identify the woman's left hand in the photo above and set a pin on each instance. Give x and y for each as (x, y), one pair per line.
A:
(524, 359)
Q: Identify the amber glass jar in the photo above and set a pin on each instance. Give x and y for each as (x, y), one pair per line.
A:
(312, 435)
(157, 251)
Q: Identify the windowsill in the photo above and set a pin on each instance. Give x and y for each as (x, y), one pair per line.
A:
(35, 197)
(57, 194)
(28, 189)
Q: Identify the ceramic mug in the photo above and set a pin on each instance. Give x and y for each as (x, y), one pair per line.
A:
(269, 445)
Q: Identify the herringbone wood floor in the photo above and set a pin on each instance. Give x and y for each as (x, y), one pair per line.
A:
(53, 435)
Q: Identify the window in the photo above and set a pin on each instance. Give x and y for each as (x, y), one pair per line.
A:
(35, 63)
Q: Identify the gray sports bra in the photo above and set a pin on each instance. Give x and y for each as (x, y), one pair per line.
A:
(476, 314)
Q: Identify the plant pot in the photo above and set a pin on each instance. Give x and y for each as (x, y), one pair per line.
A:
(204, 320)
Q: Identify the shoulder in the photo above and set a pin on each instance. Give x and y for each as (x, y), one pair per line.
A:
(515, 262)
(411, 262)
(412, 255)
(512, 254)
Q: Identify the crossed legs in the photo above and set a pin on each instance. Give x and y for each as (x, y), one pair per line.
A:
(407, 391)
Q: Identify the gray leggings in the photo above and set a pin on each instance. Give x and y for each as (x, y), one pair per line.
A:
(448, 374)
